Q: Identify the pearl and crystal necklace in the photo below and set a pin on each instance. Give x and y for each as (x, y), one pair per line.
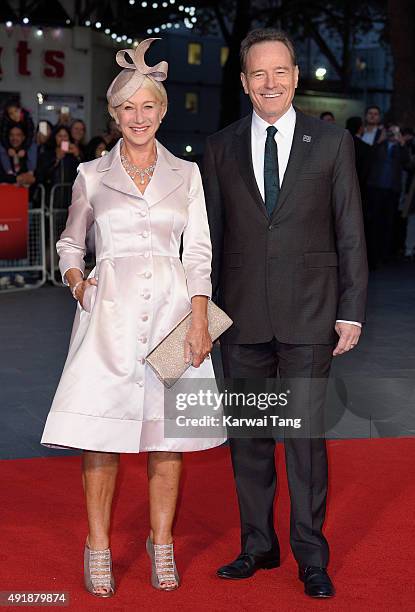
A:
(133, 170)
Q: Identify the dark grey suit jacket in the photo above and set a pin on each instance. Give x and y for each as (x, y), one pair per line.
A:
(292, 275)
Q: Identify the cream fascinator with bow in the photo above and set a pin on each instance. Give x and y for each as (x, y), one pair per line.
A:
(135, 71)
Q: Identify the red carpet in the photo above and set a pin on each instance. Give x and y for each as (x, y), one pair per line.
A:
(370, 526)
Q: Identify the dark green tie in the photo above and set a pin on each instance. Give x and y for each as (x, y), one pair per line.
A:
(271, 171)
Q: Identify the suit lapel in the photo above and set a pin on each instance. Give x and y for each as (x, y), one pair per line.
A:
(303, 140)
(165, 180)
(244, 157)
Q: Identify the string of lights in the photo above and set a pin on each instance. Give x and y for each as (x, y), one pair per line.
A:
(188, 21)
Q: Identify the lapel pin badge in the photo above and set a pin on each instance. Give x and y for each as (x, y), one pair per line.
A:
(306, 138)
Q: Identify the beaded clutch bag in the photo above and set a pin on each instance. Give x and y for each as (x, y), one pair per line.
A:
(167, 358)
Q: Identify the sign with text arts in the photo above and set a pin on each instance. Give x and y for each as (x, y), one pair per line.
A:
(14, 222)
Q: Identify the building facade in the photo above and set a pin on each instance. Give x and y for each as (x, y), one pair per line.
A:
(73, 66)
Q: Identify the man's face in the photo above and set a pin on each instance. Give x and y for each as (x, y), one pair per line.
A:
(16, 137)
(373, 116)
(393, 133)
(270, 79)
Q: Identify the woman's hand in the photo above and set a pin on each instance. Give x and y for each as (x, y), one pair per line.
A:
(82, 287)
(25, 179)
(74, 149)
(198, 343)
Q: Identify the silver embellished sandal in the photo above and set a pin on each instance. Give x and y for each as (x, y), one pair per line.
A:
(98, 572)
(163, 566)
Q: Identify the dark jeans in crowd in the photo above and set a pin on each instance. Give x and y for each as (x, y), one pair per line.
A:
(381, 211)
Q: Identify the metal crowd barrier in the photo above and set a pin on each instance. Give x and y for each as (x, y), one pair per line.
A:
(29, 273)
(59, 201)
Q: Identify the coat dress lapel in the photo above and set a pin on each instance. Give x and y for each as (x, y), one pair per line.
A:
(166, 177)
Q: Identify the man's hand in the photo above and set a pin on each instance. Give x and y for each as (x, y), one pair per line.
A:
(349, 335)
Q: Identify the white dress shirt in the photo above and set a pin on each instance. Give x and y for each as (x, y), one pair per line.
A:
(284, 139)
(368, 136)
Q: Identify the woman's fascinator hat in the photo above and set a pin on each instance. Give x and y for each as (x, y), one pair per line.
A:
(135, 71)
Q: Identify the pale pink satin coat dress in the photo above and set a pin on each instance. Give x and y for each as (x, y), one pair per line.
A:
(108, 398)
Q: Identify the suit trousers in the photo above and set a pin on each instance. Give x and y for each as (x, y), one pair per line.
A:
(253, 459)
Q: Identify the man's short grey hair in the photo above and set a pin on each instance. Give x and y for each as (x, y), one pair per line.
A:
(265, 35)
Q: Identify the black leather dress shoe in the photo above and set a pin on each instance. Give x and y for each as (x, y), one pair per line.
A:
(317, 582)
(246, 565)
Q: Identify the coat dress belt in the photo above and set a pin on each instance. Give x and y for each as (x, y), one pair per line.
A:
(144, 253)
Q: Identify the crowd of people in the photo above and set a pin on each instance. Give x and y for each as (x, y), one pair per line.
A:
(49, 154)
(385, 163)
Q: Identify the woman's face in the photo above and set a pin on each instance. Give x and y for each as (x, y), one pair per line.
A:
(78, 131)
(16, 137)
(15, 113)
(140, 117)
(100, 149)
(61, 135)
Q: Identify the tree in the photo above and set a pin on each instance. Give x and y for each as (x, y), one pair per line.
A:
(401, 15)
(231, 83)
(334, 25)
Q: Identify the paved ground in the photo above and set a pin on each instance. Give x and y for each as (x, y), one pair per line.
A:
(35, 328)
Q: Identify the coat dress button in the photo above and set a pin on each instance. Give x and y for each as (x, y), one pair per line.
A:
(144, 234)
(144, 318)
(147, 274)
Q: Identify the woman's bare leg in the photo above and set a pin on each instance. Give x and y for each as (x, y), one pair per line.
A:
(99, 475)
(164, 469)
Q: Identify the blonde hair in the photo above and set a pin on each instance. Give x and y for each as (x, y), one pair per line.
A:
(157, 89)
